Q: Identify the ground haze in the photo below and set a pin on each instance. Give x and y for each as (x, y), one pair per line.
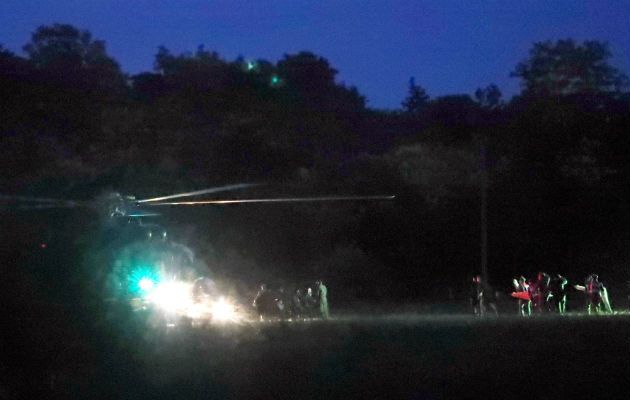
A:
(389, 356)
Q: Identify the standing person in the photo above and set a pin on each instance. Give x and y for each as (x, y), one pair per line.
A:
(282, 303)
(539, 291)
(310, 303)
(476, 296)
(297, 303)
(557, 289)
(521, 286)
(596, 295)
(322, 293)
(264, 303)
(592, 288)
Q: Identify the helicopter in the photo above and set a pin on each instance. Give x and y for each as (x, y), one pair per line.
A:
(128, 212)
(121, 210)
(115, 205)
(142, 259)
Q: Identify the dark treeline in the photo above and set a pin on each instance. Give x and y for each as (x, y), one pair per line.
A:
(556, 156)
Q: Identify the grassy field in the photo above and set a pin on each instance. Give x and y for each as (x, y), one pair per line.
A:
(389, 356)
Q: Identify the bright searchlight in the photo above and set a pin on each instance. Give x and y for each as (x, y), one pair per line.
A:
(222, 310)
(172, 295)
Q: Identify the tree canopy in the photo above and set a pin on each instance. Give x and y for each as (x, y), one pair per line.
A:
(63, 45)
(417, 99)
(564, 67)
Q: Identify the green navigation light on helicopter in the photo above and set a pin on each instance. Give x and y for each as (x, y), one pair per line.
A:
(143, 281)
(146, 284)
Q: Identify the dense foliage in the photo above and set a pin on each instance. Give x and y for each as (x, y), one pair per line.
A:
(72, 125)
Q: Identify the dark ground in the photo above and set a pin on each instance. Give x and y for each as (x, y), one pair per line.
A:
(59, 341)
(395, 356)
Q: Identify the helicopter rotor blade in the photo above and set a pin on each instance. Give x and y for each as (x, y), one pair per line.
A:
(36, 203)
(4, 197)
(39, 206)
(200, 192)
(275, 200)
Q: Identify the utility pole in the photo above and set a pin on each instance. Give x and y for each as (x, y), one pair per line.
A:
(483, 164)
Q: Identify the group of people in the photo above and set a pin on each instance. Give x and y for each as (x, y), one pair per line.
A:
(543, 294)
(547, 293)
(300, 304)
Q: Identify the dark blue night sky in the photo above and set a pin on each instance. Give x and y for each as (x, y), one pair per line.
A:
(448, 46)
